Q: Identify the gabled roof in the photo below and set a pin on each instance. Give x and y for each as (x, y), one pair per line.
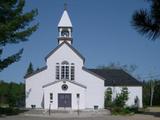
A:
(73, 82)
(52, 52)
(65, 20)
(70, 46)
(116, 77)
(35, 72)
(89, 71)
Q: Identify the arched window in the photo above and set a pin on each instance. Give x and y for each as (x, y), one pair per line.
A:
(65, 62)
(65, 33)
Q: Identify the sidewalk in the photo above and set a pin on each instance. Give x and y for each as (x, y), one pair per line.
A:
(67, 113)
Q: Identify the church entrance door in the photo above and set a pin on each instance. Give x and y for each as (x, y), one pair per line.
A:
(64, 100)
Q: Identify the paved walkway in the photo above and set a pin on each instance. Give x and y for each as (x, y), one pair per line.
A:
(67, 113)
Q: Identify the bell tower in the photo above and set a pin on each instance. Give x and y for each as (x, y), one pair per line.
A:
(65, 28)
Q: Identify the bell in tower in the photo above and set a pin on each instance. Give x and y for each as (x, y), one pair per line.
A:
(65, 28)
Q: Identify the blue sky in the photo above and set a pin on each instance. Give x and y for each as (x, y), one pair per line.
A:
(102, 33)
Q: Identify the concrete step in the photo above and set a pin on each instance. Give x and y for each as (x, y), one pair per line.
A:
(69, 111)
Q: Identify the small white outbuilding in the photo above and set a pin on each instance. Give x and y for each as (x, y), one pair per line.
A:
(65, 83)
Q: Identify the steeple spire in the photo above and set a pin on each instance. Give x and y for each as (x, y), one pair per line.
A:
(65, 27)
(65, 20)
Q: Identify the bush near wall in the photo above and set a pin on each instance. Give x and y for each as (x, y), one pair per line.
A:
(9, 111)
(118, 105)
(108, 98)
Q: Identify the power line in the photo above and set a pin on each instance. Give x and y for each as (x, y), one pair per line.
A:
(152, 76)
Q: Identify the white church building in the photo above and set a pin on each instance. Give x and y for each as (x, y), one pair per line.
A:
(66, 83)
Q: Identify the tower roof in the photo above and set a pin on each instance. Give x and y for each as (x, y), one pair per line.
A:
(65, 20)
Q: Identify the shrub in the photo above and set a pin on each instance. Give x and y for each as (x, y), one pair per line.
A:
(119, 101)
(116, 110)
(121, 98)
(117, 106)
(9, 111)
(124, 93)
(121, 111)
(108, 98)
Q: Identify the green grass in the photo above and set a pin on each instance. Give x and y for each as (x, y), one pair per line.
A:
(10, 111)
(124, 111)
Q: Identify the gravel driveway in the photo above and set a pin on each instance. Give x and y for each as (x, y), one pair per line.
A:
(152, 114)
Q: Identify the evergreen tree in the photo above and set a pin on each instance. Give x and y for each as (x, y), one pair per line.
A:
(14, 28)
(121, 98)
(147, 22)
(30, 69)
(125, 93)
(108, 97)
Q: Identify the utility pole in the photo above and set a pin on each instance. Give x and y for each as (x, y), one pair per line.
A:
(78, 100)
(49, 109)
(152, 86)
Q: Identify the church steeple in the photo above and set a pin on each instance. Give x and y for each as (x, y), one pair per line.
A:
(65, 28)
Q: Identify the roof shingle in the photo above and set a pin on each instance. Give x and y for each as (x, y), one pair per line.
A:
(116, 77)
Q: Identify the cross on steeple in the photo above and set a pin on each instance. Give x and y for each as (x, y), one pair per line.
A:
(65, 6)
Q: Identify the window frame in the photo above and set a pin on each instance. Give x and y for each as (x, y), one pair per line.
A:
(72, 74)
(51, 96)
(65, 71)
(57, 72)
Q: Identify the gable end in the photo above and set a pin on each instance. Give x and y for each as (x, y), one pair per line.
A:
(73, 49)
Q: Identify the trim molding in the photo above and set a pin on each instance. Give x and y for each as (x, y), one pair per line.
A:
(76, 83)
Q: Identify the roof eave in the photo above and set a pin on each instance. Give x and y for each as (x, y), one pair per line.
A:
(73, 82)
(35, 72)
(87, 70)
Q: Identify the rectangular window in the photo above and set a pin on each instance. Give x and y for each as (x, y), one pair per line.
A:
(65, 72)
(78, 95)
(62, 72)
(72, 73)
(51, 96)
(57, 72)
